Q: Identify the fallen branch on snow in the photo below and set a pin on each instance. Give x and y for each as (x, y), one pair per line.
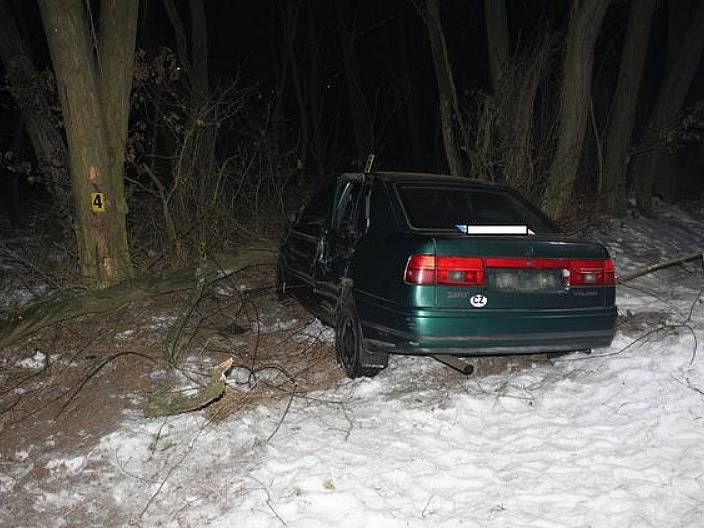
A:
(165, 402)
(630, 275)
(69, 305)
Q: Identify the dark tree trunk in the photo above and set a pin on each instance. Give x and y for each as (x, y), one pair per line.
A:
(451, 119)
(314, 96)
(44, 134)
(94, 151)
(290, 20)
(678, 16)
(618, 139)
(359, 109)
(179, 35)
(518, 123)
(410, 120)
(668, 105)
(497, 37)
(585, 21)
(199, 48)
(118, 34)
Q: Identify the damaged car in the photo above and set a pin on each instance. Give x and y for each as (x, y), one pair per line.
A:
(403, 263)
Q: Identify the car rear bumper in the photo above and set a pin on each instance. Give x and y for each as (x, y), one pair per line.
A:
(475, 332)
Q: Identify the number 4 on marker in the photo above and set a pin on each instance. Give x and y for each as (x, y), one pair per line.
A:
(97, 202)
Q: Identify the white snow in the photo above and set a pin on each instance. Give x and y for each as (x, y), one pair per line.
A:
(71, 466)
(13, 296)
(614, 439)
(35, 362)
(304, 331)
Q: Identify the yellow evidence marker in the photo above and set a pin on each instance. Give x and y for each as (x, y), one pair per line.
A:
(97, 202)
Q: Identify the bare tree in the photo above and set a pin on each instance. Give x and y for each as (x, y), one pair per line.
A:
(503, 132)
(44, 133)
(668, 105)
(402, 66)
(585, 21)
(497, 37)
(94, 92)
(620, 132)
(359, 109)
(678, 16)
(451, 118)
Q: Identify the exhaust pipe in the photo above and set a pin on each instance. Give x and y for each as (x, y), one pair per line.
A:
(456, 363)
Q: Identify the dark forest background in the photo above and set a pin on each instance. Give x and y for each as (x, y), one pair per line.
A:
(204, 122)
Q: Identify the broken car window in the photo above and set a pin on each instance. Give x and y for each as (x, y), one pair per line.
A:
(318, 210)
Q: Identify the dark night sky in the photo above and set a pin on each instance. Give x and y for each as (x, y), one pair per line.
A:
(246, 37)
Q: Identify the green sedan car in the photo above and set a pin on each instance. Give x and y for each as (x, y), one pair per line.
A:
(424, 264)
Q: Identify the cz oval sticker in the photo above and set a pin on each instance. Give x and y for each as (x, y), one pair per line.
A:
(478, 301)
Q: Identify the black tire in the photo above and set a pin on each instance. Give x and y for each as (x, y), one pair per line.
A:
(350, 346)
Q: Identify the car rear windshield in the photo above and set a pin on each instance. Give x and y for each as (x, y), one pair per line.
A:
(453, 208)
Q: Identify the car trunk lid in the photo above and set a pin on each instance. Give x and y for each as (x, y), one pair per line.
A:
(520, 272)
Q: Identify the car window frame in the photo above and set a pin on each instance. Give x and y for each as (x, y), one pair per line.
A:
(347, 180)
(509, 193)
(330, 188)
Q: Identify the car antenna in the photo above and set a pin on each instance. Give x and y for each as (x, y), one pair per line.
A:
(369, 165)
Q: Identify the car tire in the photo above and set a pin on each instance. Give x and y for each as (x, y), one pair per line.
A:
(280, 281)
(350, 346)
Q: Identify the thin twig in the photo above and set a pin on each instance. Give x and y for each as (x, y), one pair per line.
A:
(283, 417)
(98, 369)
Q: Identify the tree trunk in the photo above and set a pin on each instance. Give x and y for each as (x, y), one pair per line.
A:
(315, 96)
(663, 118)
(407, 89)
(194, 164)
(179, 34)
(517, 116)
(118, 32)
(359, 109)
(199, 48)
(45, 135)
(450, 116)
(678, 16)
(101, 234)
(289, 22)
(618, 138)
(585, 20)
(497, 37)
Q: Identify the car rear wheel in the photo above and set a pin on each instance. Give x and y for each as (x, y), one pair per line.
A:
(350, 346)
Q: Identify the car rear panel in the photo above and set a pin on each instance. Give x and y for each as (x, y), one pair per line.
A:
(513, 288)
(544, 316)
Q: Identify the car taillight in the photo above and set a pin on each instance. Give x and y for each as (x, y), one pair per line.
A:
(463, 271)
(428, 269)
(420, 269)
(470, 271)
(592, 272)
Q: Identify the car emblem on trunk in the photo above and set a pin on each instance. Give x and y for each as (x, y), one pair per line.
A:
(478, 301)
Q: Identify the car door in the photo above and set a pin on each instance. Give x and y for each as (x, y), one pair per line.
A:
(349, 219)
(305, 240)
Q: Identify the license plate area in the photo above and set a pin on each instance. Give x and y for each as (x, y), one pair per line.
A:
(525, 280)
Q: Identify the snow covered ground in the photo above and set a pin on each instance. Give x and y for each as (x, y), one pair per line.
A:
(614, 439)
